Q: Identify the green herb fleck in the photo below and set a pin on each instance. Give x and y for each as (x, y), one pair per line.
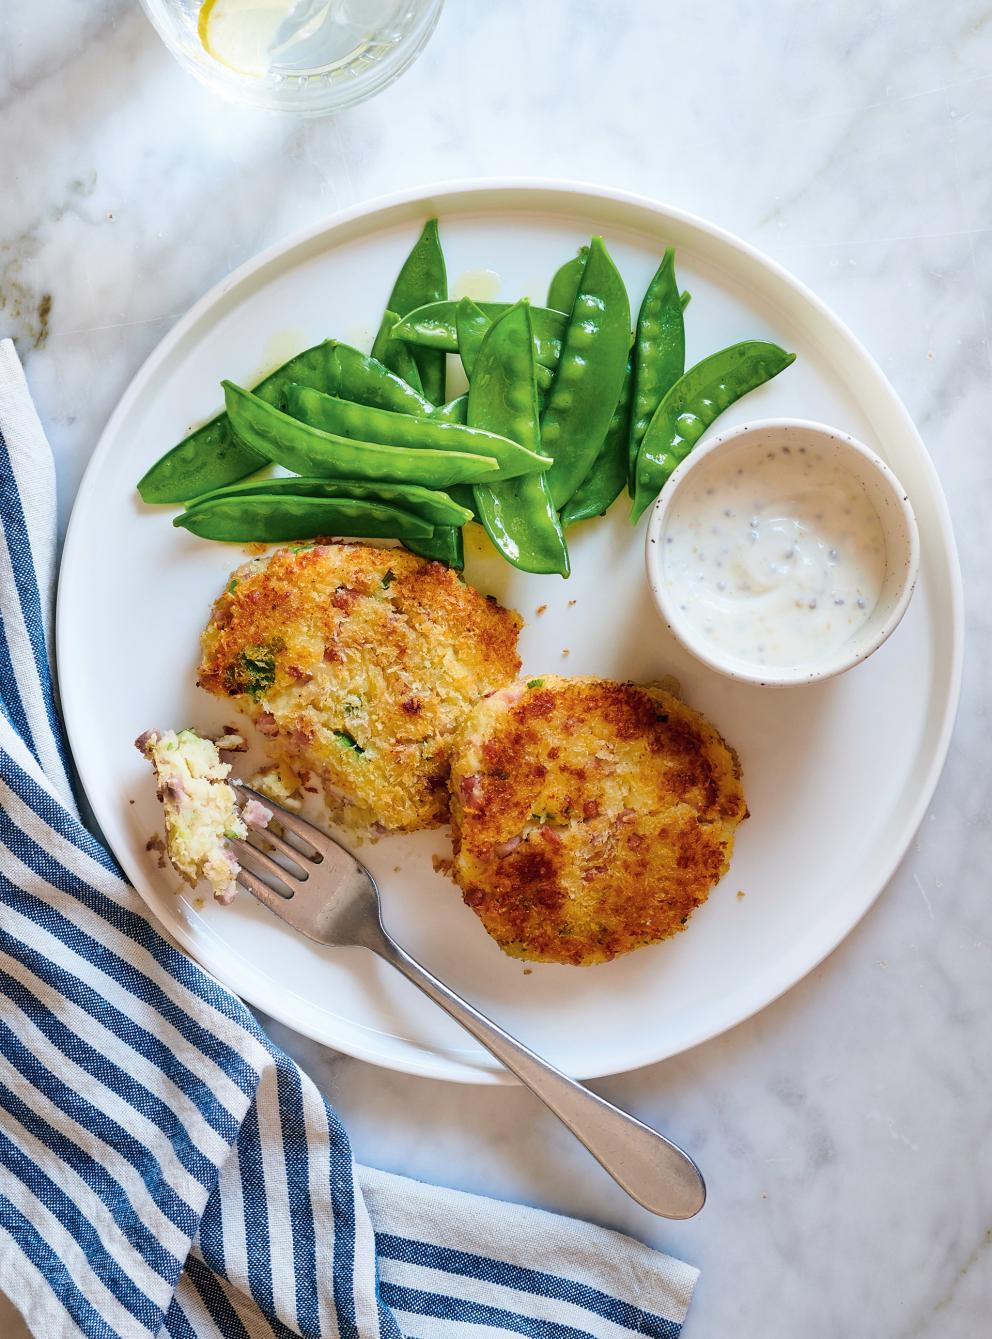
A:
(535, 683)
(389, 578)
(348, 741)
(232, 587)
(253, 671)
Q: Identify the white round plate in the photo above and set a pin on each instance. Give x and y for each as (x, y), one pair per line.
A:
(837, 774)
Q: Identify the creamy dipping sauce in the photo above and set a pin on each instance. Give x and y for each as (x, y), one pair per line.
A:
(773, 554)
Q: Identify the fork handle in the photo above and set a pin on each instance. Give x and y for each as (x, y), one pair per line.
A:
(650, 1168)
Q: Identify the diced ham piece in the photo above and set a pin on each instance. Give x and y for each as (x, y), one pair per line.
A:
(472, 796)
(256, 815)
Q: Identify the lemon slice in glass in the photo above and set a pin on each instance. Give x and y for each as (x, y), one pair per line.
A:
(241, 34)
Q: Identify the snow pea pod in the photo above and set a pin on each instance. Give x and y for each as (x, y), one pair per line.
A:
(471, 324)
(605, 481)
(444, 546)
(519, 515)
(432, 505)
(693, 403)
(659, 352)
(422, 279)
(565, 283)
(364, 424)
(463, 495)
(365, 380)
(213, 455)
(396, 353)
(434, 326)
(308, 451)
(590, 374)
(452, 412)
(267, 519)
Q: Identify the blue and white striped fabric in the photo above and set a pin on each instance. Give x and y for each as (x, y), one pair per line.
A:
(164, 1168)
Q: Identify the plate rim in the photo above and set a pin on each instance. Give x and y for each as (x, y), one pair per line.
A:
(432, 1063)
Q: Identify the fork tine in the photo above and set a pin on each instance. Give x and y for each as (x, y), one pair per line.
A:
(301, 858)
(258, 862)
(293, 822)
(263, 893)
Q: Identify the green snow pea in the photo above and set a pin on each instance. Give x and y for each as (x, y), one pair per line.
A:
(659, 352)
(213, 455)
(565, 284)
(435, 326)
(269, 519)
(471, 324)
(364, 424)
(605, 481)
(396, 353)
(463, 495)
(444, 546)
(365, 380)
(693, 403)
(308, 451)
(432, 505)
(452, 412)
(590, 374)
(519, 516)
(422, 279)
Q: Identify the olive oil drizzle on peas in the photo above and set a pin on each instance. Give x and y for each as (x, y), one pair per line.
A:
(519, 515)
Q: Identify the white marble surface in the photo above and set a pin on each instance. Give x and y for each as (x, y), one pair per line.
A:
(845, 1132)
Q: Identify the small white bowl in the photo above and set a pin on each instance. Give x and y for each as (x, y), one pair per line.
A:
(887, 497)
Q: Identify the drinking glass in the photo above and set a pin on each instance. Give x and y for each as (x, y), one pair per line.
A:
(304, 56)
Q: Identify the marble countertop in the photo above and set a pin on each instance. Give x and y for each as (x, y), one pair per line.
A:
(846, 1131)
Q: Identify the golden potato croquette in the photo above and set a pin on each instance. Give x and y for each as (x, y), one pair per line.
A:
(358, 664)
(590, 817)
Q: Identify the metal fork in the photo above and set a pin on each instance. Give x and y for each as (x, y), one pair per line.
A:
(331, 897)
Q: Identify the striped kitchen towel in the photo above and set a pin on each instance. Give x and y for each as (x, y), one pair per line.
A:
(164, 1168)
